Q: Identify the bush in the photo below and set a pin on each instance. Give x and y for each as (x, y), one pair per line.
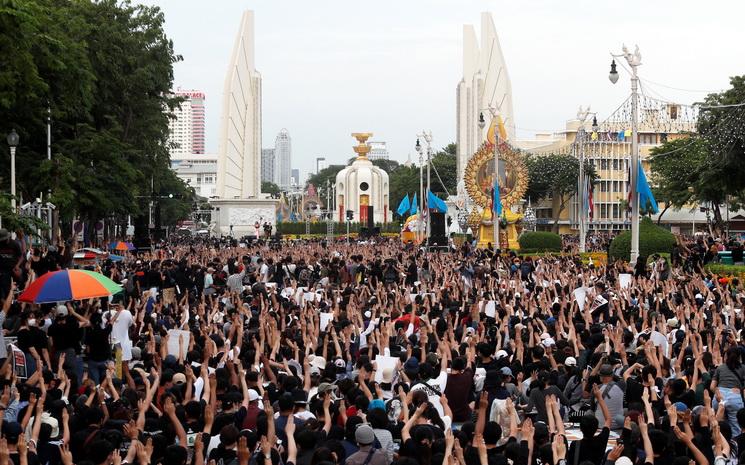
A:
(540, 241)
(718, 269)
(652, 239)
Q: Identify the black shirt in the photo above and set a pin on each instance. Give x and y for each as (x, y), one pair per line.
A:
(65, 335)
(592, 449)
(10, 253)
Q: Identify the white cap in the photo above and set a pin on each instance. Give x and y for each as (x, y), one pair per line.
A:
(624, 461)
(501, 354)
(570, 362)
(253, 395)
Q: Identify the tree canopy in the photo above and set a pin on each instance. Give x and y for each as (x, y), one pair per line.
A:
(706, 167)
(104, 70)
(555, 176)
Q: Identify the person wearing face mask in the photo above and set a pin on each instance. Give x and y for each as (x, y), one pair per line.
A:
(33, 342)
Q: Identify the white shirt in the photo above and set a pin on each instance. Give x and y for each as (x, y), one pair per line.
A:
(120, 333)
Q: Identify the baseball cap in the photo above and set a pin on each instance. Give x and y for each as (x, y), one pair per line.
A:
(326, 387)
(62, 310)
(412, 365)
(624, 461)
(606, 370)
(299, 396)
(315, 371)
(387, 375)
(364, 434)
(570, 362)
(501, 354)
(680, 406)
(318, 362)
(506, 371)
(253, 395)
(179, 378)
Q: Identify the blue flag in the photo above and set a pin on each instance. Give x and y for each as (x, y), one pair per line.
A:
(645, 193)
(404, 206)
(414, 206)
(497, 207)
(436, 203)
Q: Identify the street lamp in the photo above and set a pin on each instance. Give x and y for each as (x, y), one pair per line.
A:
(634, 60)
(13, 141)
(418, 148)
(428, 139)
(613, 75)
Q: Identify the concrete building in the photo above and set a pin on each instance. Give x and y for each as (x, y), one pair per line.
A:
(198, 171)
(362, 184)
(240, 204)
(485, 84)
(295, 177)
(320, 164)
(186, 131)
(267, 166)
(378, 151)
(609, 150)
(283, 159)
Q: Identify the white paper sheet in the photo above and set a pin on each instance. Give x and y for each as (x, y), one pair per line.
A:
(173, 338)
(624, 279)
(490, 309)
(580, 294)
(325, 319)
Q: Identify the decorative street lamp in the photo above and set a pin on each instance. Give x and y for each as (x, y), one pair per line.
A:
(13, 141)
(634, 60)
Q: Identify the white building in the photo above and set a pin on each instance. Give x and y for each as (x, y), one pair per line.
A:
(198, 171)
(361, 185)
(186, 131)
(240, 204)
(283, 159)
(267, 166)
(378, 151)
(239, 155)
(485, 84)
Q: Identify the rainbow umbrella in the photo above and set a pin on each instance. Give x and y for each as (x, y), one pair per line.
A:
(122, 246)
(64, 285)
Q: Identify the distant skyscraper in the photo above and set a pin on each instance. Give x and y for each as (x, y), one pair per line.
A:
(187, 130)
(239, 154)
(283, 159)
(267, 165)
(295, 181)
(485, 84)
(320, 164)
(378, 151)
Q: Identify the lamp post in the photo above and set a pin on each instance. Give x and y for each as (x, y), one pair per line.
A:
(634, 60)
(418, 148)
(582, 183)
(495, 208)
(13, 141)
(427, 136)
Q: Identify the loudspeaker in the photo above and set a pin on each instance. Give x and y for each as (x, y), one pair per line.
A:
(364, 232)
(370, 218)
(437, 234)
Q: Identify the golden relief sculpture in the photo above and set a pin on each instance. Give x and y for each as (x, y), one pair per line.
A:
(479, 181)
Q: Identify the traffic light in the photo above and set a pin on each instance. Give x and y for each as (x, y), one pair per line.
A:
(350, 215)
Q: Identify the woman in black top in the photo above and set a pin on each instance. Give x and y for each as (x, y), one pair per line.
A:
(33, 342)
(98, 348)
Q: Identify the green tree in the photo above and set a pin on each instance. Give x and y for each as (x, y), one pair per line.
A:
(105, 69)
(674, 168)
(446, 163)
(268, 187)
(555, 176)
(326, 176)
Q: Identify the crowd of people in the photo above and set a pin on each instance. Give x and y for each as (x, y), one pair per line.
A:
(315, 353)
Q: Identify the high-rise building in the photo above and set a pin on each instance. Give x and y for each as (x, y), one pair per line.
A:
(267, 165)
(485, 84)
(320, 164)
(378, 151)
(283, 159)
(295, 178)
(239, 155)
(186, 131)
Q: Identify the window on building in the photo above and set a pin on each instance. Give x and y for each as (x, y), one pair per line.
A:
(673, 111)
(603, 210)
(604, 164)
(615, 210)
(615, 164)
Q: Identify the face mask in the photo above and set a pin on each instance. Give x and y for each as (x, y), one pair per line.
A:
(32, 322)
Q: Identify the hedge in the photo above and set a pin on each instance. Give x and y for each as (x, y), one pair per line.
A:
(652, 239)
(726, 270)
(319, 227)
(540, 241)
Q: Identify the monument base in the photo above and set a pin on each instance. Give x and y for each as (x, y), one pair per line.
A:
(238, 217)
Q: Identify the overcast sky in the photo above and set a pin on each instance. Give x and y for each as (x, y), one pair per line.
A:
(332, 67)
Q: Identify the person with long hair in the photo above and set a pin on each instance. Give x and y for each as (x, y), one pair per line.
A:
(729, 377)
